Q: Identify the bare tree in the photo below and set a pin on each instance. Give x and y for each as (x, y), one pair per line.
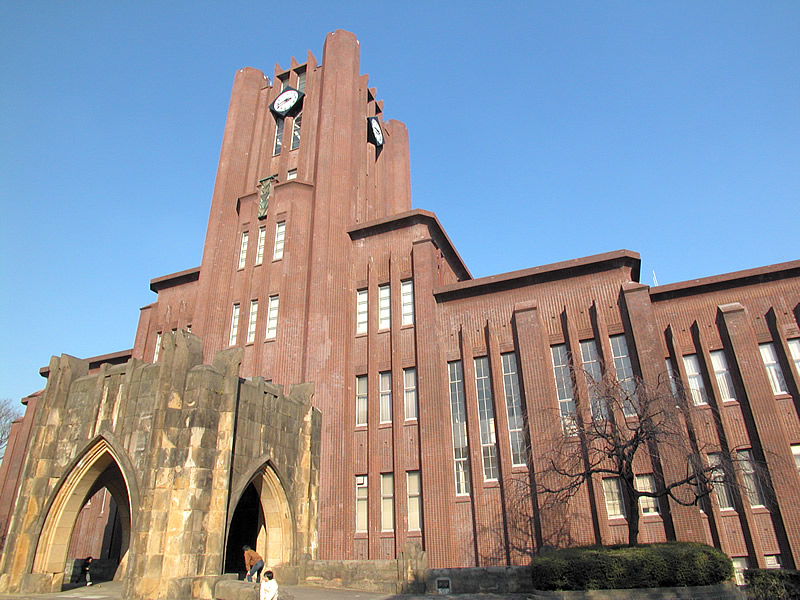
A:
(628, 424)
(9, 411)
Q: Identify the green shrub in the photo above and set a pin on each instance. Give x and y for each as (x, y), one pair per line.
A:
(656, 565)
(772, 584)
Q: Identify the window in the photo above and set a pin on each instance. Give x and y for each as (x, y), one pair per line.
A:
(796, 454)
(739, 567)
(280, 236)
(292, 174)
(301, 81)
(483, 385)
(624, 371)
(513, 408)
(594, 375)
(272, 318)
(648, 505)
(410, 392)
(566, 403)
(362, 495)
(276, 149)
(386, 396)
(673, 378)
(723, 376)
(387, 502)
(458, 418)
(384, 307)
(414, 488)
(613, 495)
(773, 367)
(361, 400)
(695, 377)
(234, 325)
(243, 250)
(251, 325)
(362, 308)
(158, 347)
(772, 561)
(407, 301)
(794, 350)
(720, 481)
(262, 238)
(298, 122)
(752, 483)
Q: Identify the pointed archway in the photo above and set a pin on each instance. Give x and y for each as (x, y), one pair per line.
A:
(96, 469)
(262, 519)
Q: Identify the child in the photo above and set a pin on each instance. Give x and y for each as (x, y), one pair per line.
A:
(269, 587)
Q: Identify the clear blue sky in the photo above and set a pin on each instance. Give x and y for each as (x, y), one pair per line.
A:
(668, 128)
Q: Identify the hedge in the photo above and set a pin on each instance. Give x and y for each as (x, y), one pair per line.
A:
(772, 584)
(674, 564)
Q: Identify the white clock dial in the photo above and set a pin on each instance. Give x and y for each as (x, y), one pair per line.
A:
(377, 131)
(285, 100)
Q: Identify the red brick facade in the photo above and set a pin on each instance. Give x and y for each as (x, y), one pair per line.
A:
(349, 227)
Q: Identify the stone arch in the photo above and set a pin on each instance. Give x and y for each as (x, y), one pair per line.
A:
(276, 526)
(100, 465)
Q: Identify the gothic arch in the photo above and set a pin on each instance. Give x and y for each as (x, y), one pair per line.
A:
(100, 465)
(276, 530)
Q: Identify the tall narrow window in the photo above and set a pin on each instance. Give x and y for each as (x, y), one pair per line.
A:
(612, 491)
(384, 307)
(361, 400)
(362, 496)
(513, 408)
(272, 317)
(752, 483)
(158, 347)
(276, 149)
(483, 385)
(407, 301)
(723, 375)
(647, 504)
(773, 367)
(362, 310)
(458, 417)
(720, 481)
(301, 81)
(296, 125)
(251, 324)
(243, 250)
(234, 325)
(410, 392)
(695, 379)
(673, 377)
(594, 375)
(386, 396)
(794, 350)
(563, 378)
(387, 501)
(280, 236)
(624, 372)
(796, 454)
(262, 238)
(414, 488)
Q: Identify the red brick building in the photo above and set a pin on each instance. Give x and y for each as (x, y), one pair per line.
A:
(431, 384)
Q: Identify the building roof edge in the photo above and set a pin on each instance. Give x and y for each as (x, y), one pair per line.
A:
(173, 279)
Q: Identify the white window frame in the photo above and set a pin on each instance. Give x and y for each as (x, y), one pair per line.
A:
(243, 249)
(387, 501)
(272, 317)
(740, 565)
(794, 351)
(593, 372)
(458, 420)
(291, 174)
(623, 369)
(158, 347)
(407, 301)
(694, 376)
(414, 500)
(752, 485)
(796, 454)
(483, 389)
(362, 503)
(385, 383)
(722, 374)
(647, 504)
(362, 311)
(615, 503)
(280, 240)
(564, 392)
(773, 366)
(262, 240)
(516, 425)
(384, 307)
(251, 323)
(278, 144)
(720, 482)
(297, 124)
(362, 399)
(234, 331)
(411, 410)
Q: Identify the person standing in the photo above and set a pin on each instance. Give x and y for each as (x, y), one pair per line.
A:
(269, 587)
(85, 570)
(253, 563)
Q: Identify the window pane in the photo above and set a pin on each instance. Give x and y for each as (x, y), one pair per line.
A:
(624, 372)
(298, 122)
(251, 325)
(278, 137)
(613, 496)
(262, 236)
(361, 400)
(483, 385)
(458, 416)
(272, 317)
(563, 379)
(387, 501)
(410, 392)
(362, 306)
(648, 505)
(720, 481)
(361, 502)
(280, 236)
(794, 350)
(773, 367)
(407, 301)
(386, 397)
(384, 307)
(695, 377)
(414, 501)
(243, 250)
(234, 325)
(723, 375)
(513, 408)
(594, 376)
(752, 483)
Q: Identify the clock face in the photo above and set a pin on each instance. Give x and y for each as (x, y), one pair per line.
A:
(285, 101)
(377, 132)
